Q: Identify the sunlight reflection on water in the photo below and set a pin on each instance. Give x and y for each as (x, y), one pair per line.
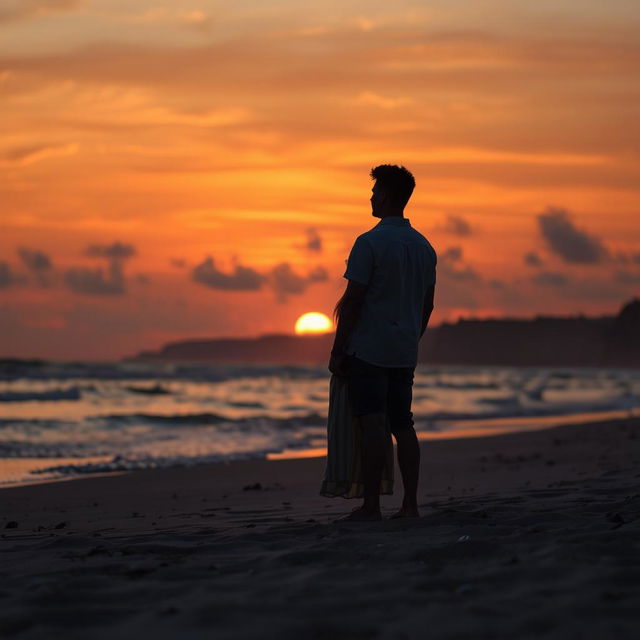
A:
(160, 415)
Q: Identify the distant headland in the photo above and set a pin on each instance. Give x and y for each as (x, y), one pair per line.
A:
(543, 341)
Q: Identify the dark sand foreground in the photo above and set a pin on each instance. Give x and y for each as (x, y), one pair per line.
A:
(533, 535)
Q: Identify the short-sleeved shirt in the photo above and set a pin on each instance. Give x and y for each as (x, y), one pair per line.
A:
(398, 265)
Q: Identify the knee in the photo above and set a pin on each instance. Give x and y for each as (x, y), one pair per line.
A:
(405, 433)
(402, 426)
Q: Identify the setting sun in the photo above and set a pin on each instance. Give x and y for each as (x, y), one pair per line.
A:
(313, 322)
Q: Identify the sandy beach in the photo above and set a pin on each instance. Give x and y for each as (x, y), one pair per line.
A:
(524, 535)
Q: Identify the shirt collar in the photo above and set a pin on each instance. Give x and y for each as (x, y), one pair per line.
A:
(395, 221)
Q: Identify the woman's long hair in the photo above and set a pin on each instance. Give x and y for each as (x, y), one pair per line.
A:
(338, 309)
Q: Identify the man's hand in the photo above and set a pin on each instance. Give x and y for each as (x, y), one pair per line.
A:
(427, 308)
(338, 364)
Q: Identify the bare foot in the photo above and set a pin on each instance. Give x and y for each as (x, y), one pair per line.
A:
(361, 515)
(405, 512)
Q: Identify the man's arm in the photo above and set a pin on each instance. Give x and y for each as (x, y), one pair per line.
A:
(349, 308)
(427, 308)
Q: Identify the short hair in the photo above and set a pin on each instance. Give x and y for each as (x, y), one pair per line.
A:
(397, 181)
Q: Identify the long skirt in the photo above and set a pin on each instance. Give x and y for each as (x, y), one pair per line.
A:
(343, 473)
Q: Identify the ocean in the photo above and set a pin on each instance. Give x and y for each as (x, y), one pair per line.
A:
(67, 420)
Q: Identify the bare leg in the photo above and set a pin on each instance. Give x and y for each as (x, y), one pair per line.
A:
(374, 439)
(409, 463)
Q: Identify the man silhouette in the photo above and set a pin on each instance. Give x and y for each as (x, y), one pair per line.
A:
(382, 315)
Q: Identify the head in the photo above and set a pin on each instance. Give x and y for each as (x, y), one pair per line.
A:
(392, 189)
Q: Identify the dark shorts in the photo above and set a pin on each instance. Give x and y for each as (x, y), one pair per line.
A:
(374, 389)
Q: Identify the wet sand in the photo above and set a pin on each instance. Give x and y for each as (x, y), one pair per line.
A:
(527, 535)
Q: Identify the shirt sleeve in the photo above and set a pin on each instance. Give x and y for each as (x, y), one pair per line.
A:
(360, 262)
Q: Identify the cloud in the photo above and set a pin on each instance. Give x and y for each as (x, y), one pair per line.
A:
(95, 281)
(240, 279)
(461, 289)
(34, 259)
(457, 226)
(115, 250)
(7, 277)
(457, 285)
(507, 294)
(281, 278)
(23, 9)
(532, 259)
(23, 156)
(567, 241)
(266, 74)
(369, 98)
(142, 278)
(161, 15)
(178, 263)
(550, 279)
(461, 85)
(285, 282)
(449, 266)
(99, 281)
(314, 241)
(38, 263)
(83, 280)
(627, 277)
(450, 254)
(595, 289)
(319, 274)
(628, 258)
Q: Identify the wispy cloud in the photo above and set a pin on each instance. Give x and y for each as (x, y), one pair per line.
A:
(224, 129)
(550, 279)
(23, 156)
(375, 99)
(13, 10)
(627, 277)
(193, 18)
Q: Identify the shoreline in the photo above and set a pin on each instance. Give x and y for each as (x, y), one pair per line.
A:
(472, 428)
(278, 464)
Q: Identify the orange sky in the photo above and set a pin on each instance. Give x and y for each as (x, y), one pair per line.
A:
(174, 170)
